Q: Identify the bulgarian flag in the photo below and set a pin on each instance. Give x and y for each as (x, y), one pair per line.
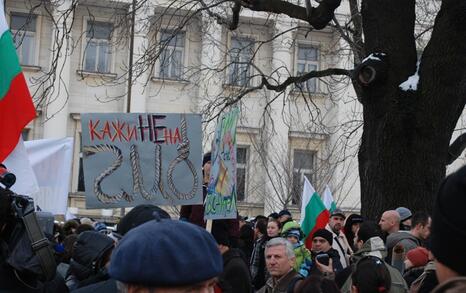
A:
(328, 200)
(314, 215)
(16, 107)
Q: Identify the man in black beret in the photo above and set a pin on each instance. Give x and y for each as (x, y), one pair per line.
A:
(166, 256)
(449, 230)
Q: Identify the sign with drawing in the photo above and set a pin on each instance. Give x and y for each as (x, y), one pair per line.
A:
(140, 158)
(220, 202)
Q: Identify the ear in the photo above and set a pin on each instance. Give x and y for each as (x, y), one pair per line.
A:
(354, 289)
(292, 261)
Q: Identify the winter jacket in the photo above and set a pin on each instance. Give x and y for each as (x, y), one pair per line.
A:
(406, 239)
(235, 277)
(341, 245)
(303, 259)
(454, 285)
(107, 286)
(334, 255)
(427, 281)
(257, 263)
(194, 213)
(375, 247)
(283, 284)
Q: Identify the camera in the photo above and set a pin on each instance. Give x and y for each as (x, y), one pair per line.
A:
(27, 250)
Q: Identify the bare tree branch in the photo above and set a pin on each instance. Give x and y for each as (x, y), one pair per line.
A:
(456, 148)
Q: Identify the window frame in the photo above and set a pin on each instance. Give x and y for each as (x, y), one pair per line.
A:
(244, 166)
(184, 57)
(252, 78)
(84, 46)
(77, 153)
(301, 172)
(37, 35)
(317, 63)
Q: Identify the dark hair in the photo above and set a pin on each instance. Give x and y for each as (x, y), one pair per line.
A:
(421, 218)
(348, 228)
(84, 227)
(68, 244)
(5, 206)
(261, 225)
(367, 230)
(279, 224)
(69, 226)
(317, 284)
(371, 276)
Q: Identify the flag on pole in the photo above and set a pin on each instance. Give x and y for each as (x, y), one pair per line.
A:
(329, 203)
(16, 107)
(314, 215)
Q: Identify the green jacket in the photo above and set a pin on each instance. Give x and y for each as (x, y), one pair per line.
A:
(301, 253)
(375, 247)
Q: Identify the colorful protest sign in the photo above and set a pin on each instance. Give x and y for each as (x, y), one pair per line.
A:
(220, 202)
(140, 158)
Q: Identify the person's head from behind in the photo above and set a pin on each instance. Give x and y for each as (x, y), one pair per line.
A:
(366, 231)
(370, 276)
(390, 221)
(284, 216)
(317, 284)
(322, 241)
(273, 228)
(166, 256)
(279, 257)
(420, 225)
(449, 227)
(220, 233)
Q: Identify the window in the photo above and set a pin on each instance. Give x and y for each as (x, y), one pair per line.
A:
(241, 54)
(307, 60)
(98, 49)
(172, 56)
(23, 27)
(241, 167)
(303, 165)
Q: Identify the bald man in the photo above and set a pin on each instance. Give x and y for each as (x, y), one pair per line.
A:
(390, 221)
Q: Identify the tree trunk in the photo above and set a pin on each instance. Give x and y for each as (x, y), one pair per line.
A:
(406, 134)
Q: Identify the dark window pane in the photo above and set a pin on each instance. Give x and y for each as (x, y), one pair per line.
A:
(81, 176)
(303, 159)
(23, 21)
(241, 154)
(296, 188)
(25, 133)
(240, 183)
(99, 30)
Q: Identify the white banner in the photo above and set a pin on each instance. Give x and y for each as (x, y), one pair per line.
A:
(51, 161)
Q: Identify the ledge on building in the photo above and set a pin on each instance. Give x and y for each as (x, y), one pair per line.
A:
(169, 80)
(107, 75)
(31, 68)
(296, 93)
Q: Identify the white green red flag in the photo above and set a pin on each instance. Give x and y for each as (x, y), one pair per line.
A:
(314, 215)
(329, 202)
(16, 106)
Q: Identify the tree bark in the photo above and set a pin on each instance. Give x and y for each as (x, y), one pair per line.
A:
(406, 134)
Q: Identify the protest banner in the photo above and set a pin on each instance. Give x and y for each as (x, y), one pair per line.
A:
(140, 158)
(220, 202)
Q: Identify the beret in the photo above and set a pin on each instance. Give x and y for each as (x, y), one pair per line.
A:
(139, 215)
(166, 253)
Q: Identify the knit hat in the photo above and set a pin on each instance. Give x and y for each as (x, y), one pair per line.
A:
(166, 253)
(448, 225)
(296, 233)
(405, 213)
(139, 215)
(418, 256)
(324, 233)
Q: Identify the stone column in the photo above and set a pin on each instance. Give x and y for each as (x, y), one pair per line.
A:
(56, 112)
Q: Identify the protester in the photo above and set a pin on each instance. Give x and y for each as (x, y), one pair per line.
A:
(284, 216)
(70, 227)
(257, 263)
(369, 243)
(166, 256)
(351, 226)
(322, 241)
(91, 254)
(420, 231)
(235, 277)
(390, 222)
(280, 259)
(340, 243)
(449, 233)
(274, 216)
(273, 228)
(405, 218)
(416, 260)
(246, 239)
(303, 261)
(371, 276)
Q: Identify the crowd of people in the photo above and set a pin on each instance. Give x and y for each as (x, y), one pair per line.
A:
(149, 251)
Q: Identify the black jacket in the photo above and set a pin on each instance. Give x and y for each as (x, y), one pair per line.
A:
(333, 254)
(235, 277)
(108, 286)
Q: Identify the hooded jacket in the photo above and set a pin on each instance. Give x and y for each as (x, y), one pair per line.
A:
(375, 247)
(88, 251)
(406, 239)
